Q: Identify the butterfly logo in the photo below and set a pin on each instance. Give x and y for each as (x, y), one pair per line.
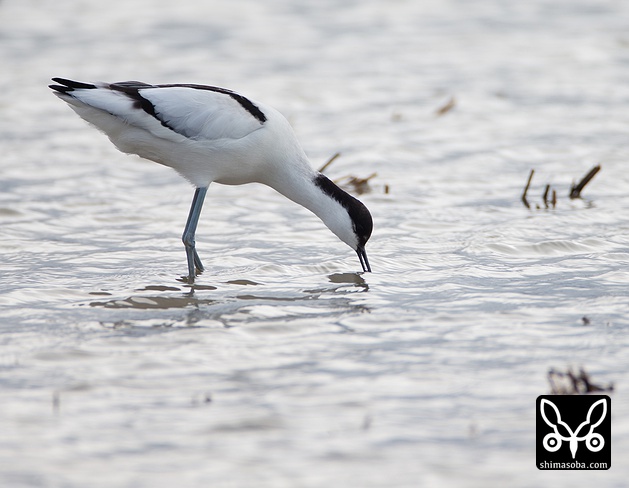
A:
(562, 432)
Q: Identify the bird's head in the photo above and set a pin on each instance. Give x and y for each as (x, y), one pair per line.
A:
(353, 224)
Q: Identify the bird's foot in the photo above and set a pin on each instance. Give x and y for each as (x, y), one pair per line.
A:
(197, 262)
(195, 266)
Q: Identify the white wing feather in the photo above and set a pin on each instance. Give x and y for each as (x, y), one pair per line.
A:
(201, 114)
(186, 112)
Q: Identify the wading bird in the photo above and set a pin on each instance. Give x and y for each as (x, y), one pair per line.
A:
(210, 134)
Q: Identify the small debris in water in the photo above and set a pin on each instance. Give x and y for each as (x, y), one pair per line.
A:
(444, 109)
(351, 183)
(575, 190)
(569, 383)
(356, 184)
(56, 402)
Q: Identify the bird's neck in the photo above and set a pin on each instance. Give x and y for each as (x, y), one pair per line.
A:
(321, 196)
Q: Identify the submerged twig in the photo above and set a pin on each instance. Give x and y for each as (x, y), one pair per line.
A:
(575, 190)
(549, 197)
(545, 197)
(56, 401)
(526, 190)
(449, 105)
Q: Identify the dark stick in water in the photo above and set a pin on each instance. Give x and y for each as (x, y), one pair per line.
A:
(526, 189)
(575, 190)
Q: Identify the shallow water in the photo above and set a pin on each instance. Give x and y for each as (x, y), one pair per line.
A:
(284, 366)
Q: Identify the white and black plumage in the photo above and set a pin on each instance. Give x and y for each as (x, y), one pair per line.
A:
(210, 134)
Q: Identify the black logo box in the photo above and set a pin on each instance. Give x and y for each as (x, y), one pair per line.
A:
(573, 432)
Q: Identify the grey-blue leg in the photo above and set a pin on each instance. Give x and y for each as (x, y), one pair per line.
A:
(189, 232)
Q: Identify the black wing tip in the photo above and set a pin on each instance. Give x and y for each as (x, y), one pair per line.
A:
(60, 89)
(66, 85)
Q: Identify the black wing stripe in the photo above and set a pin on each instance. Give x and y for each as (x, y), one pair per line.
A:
(132, 90)
(247, 104)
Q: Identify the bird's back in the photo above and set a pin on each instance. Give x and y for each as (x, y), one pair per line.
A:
(201, 131)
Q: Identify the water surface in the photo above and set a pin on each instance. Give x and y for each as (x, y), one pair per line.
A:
(284, 366)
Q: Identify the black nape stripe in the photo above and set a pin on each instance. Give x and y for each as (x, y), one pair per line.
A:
(361, 218)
